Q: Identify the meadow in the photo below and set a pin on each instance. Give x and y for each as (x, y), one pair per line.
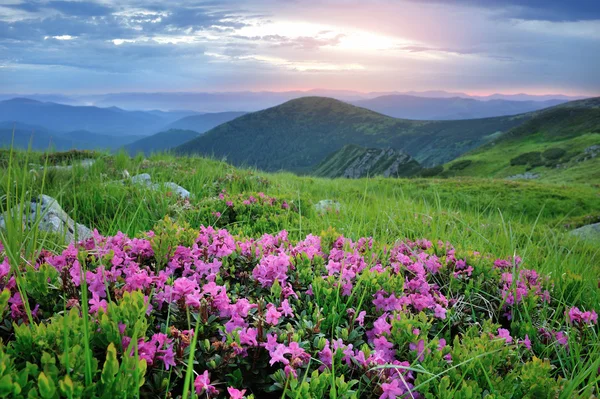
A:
(407, 288)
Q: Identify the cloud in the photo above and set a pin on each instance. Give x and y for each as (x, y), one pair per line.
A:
(543, 10)
(344, 44)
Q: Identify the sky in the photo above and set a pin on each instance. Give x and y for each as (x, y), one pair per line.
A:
(473, 46)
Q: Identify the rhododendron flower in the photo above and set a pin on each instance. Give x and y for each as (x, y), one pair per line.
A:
(236, 393)
(286, 309)
(576, 316)
(392, 390)
(419, 347)
(504, 334)
(272, 316)
(526, 342)
(202, 384)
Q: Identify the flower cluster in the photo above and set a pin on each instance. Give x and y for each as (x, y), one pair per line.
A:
(262, 303)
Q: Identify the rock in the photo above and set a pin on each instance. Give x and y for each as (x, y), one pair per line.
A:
(591, 232)
(85, 163)
(327, 205)
(143, 178)
(52, 219)
(524, 176)
(177, 189)
(146, 180)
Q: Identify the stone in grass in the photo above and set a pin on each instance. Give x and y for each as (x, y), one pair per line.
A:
(524, 176)
(327, 205)
(52, 219)
(85, 163)
(146, 180)
(589, 232)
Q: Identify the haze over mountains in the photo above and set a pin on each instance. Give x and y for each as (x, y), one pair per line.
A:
(449, 108)
(250, 101)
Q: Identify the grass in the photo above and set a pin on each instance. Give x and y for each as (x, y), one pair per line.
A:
(494, 160)
(495, 217)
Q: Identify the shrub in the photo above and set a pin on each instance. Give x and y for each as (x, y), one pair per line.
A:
(311, 318)
(434, 171)
(554, 153)
(460, 165)
(526, 158)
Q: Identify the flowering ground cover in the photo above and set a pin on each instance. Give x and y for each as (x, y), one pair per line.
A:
(243, 291)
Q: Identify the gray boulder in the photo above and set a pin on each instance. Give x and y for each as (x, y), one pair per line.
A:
(146, 180)
(591, 232)
(52, 219)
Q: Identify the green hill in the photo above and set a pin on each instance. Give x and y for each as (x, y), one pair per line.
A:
(558, 144)
(354, 162)
(161, 141)
(299, 134)
(204, 122)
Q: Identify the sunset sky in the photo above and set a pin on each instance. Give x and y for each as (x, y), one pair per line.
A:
(535, 46)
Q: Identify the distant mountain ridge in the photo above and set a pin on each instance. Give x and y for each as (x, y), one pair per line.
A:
(161, 142)
(449, 108)
(354, 162)
(251, 101)
(111, 121)
(299, 134)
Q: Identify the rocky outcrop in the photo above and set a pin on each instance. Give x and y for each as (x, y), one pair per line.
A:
(146, 180)
(50, 218)
(354, 162)
(589, 232)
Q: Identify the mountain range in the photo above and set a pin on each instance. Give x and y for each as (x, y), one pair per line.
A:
(300, 133)
(250, 101)
(449, 108)
(111, 121)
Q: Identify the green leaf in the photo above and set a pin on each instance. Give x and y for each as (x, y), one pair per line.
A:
(46, 386)
(111, 366)
(67, 387)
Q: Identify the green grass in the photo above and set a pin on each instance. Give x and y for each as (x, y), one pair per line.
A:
(495, 217)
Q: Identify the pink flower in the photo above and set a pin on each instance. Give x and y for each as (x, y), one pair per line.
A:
(526, 342)
(439, 312)
(286, 309)
(278, 354)
(392, 390)
(202, 384)
(273, 315)
(236, 393)
(504, 334)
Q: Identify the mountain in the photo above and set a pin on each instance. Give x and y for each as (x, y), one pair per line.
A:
(43, 139)
(204, 122)
(558, 144)
(453, 108)
(251, 101)
(355, 162)
(63, 118)
(299, 134)
(162, 141)
(82, 139)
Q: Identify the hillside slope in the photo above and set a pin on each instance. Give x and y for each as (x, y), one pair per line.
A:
(299, 134)
(203, 123)
(558, 144)
(162, 141)
(355, 162)
(422, 108)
